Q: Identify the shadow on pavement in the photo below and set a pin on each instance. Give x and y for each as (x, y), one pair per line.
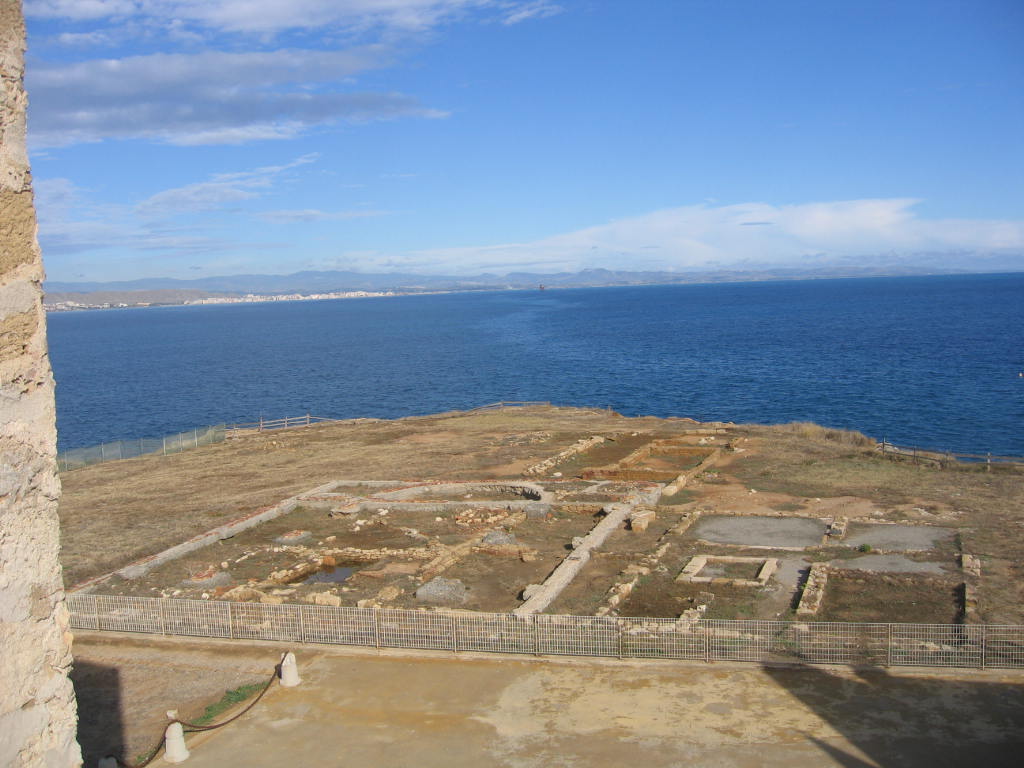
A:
(100, 722)
(909, 721)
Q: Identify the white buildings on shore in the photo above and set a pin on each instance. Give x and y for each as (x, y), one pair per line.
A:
(252, 298)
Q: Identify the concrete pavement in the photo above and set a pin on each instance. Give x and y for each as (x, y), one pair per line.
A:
(358, 708)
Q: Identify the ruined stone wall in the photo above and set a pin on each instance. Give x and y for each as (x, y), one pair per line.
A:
(37, 705)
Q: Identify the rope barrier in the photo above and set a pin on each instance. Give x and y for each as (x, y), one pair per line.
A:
(197, 728)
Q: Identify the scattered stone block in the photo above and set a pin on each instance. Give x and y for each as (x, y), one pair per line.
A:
(641, 518)
(389, 593)
(244, 595)
(211, 576)
(293, 537)
(500, 538)
(325, 598)
(537, 510)
(636, 570)
(531, 591)
(971, 565)
(441, 591)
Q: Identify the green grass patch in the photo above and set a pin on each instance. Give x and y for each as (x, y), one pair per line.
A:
(227, 701)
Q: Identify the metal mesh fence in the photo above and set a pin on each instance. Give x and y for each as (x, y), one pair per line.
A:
(129, 449)
(930, 645)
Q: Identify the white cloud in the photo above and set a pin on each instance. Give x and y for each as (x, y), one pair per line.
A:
(218, 191)
(270, 17)
(704, 237)
(226, 96)
(207, 98)
(538, 9)
(84, 38)
(872, 233)
(82, 10)
(70, 223)
(310, 215)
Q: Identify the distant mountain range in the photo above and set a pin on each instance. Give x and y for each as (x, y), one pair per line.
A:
(174, 291)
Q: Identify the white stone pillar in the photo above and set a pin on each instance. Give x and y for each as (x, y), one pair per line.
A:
(289, 671)
(175, 750)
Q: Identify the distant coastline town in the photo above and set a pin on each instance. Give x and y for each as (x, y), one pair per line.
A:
(71, 305)
(320, 286)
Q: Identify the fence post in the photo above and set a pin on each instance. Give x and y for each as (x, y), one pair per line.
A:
(455, 634)
(231, 621)
(988, 462)
(307, 418)
(302, 624)
(163, 617)
(707, 644)
(984, 646)
(376, 628)
(165, 445)
(195, 433)
(888, 645)
(261, 422)
(536, 641)
(96, 610)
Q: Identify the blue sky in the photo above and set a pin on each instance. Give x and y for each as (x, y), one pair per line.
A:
(188, 138)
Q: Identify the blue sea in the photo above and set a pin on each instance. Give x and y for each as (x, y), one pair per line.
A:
(926, 361)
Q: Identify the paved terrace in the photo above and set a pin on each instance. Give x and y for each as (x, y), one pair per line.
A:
(366, 708)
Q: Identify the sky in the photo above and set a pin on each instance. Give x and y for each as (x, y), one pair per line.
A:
(192, 138)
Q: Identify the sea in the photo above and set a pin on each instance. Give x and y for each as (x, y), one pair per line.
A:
(934, 362)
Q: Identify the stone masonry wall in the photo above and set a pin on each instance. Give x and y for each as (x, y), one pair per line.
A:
(37, 703)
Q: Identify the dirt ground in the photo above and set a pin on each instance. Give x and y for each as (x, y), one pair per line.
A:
(115, 513)
(984, 509)
(913, 598)
(365, 708)
(125, 686)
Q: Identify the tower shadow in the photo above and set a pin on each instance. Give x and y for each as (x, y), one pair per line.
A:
(100, 720)
(904, 722)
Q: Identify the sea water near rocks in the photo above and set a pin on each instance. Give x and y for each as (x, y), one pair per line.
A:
(928, 361)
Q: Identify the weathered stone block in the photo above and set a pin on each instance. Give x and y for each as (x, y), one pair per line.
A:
(442, 591)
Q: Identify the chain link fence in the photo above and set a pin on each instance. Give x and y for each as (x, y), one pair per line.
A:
(930, 645)
(129, 449)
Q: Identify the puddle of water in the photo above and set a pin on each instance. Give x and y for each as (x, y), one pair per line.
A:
(329, 574)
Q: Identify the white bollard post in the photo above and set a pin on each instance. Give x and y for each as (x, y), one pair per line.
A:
(175, 750)
(107, 762)
(289, 671)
